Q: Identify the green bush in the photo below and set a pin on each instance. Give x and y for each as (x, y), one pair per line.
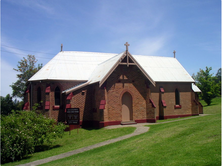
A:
(23, 131)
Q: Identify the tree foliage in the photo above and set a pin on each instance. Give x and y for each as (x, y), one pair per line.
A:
(26, 69)
(210, 85)
(8, 104)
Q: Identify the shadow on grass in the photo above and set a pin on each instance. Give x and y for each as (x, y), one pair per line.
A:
(209, 105)
(90, 128)
(45, 147)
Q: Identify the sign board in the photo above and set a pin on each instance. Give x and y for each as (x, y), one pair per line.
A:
(72, 116)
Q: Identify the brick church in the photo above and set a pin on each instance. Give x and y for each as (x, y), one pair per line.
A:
(112, 89)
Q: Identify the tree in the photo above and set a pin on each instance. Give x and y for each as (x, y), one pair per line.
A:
(218, 75)
(207, 83)
(26, 69)
(7, 105)
(217, 84)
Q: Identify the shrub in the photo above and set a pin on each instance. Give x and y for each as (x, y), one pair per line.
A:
(22, 131)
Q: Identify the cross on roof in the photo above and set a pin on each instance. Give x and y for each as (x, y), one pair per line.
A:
(126, 46)
(174, 52)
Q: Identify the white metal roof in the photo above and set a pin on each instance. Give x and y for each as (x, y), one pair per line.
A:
(71, 65)
(195, 88)
(93, 66)
(103, 68)
(163, 69)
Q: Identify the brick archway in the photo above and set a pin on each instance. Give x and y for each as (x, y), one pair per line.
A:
(127, 107)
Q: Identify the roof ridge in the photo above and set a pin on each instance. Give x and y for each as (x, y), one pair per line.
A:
(88, 52)
(155, 56)
(110, 58)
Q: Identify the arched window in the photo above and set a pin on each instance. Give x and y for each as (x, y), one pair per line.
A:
(177, 97)
(57, 96)
(38, 95)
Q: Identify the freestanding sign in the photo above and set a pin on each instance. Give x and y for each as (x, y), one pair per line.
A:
(72, 116)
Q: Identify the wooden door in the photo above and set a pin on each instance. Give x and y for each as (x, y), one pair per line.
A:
(126, 107)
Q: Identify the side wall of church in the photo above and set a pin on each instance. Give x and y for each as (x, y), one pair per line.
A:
(123, 79)
(52, 110)
(171, 109)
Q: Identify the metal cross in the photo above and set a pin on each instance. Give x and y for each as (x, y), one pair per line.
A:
(174, 52)
(126, 46)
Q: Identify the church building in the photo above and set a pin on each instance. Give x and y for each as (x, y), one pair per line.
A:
(112, 89)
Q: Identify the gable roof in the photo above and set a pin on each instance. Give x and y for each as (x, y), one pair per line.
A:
(164, 69)
(71, 65)
(105, 69)
(195, 88)
(92, 67)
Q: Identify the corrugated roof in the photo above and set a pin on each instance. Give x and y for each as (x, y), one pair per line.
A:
(93, 66)
(195, 88)
(163, 69)
(71, 65)
(103, 68)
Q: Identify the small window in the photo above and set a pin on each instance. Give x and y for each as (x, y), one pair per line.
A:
(57, 96)
(38, 95)
(102, 104)
(177, 97)
(161, 90)
(47, 90)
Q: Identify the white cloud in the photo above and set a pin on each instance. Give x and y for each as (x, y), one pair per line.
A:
(16, 52)
(40, 6)
(119, 18)
(150, 46)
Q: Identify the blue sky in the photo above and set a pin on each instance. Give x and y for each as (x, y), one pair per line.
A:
(151, 27)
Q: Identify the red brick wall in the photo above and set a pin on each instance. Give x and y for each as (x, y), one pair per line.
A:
(186, 100)
(57, 114)
(123, 79)
(131, 80)
(196, 107)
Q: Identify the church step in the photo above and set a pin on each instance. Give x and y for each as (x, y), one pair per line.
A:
(128, 123)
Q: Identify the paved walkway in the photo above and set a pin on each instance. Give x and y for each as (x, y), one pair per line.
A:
(140, 128)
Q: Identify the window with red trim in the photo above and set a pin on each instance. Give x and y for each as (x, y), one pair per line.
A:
(177, 106)
(26, 106)
(164, 103)
(153, 105)
(177, 99)
(102, 104)
(68, 105)
(56, 107)
(57, 96)
(161, 89)
(69, 97)
(38, 95)
(47, 90)
(47, 105)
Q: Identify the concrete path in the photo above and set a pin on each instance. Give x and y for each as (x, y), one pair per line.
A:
(139, 130)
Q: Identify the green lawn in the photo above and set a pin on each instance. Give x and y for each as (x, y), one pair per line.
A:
(75, 141)
(194, 141)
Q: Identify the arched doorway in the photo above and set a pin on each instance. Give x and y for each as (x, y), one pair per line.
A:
(127, 107)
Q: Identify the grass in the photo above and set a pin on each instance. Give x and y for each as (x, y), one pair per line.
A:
(75, 141)
(194, 141)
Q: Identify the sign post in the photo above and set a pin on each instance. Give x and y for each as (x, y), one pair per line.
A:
(72, 117)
